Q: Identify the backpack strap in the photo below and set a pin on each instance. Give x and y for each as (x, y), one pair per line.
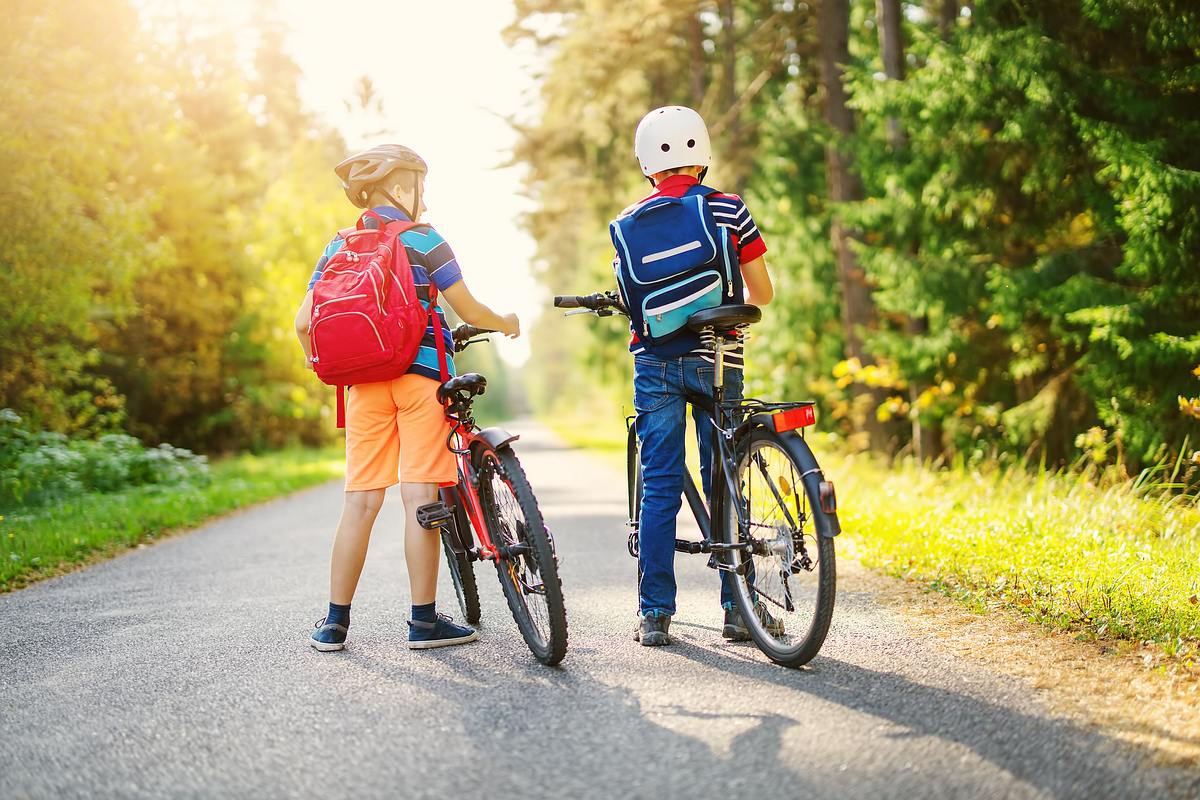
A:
(435, 320)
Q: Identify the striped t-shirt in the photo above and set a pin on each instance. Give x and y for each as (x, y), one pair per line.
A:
(729, 211)
(432, 261)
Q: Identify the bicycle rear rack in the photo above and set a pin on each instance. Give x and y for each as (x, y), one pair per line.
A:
(741, 410)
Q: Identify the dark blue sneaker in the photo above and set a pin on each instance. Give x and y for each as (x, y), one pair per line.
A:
(443, 633)
(328, 638)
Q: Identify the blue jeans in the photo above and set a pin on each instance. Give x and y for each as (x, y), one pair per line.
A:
(659, 387)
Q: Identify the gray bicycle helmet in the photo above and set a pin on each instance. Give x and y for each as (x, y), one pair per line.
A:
(361, 172)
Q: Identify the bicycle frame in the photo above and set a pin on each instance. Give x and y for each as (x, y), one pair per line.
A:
(464, 440)
(721, 443)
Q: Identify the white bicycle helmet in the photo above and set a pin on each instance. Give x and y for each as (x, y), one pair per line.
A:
(670, 137)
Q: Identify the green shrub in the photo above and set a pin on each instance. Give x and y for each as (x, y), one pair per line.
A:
(37, 467)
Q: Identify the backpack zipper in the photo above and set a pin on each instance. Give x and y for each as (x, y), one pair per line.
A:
(340, 300)
(725, 256)
(378, 294)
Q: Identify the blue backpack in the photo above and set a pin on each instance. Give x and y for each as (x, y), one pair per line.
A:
(672, 261)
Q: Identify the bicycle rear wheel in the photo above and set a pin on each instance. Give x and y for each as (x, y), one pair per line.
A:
(784, 586)
(462, 569)
(528, 566)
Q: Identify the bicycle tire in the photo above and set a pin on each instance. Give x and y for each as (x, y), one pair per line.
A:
(795, 651)
(462, 572)
(548, 640)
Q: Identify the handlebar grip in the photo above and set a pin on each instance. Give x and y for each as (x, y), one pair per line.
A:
(464, 332)
(566, 301)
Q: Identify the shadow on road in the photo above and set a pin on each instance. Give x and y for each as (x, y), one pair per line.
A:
(1029, 747)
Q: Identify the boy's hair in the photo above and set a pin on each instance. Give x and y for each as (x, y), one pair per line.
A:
(410, 183)
(677, 170)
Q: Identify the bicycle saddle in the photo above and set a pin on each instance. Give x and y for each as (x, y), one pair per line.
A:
(724, 318)
(472, 384)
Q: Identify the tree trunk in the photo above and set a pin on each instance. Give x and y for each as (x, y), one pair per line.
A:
(889, 21)
(858, 306)
(926, 439)
(947, 18)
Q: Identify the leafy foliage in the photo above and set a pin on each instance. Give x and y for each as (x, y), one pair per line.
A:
(1032, 235)
(158, 235)
(37, 467)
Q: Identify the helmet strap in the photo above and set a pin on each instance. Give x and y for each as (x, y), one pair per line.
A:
(398, 205)
(700, 177)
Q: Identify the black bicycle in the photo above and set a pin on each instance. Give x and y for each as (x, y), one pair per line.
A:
(774, 514)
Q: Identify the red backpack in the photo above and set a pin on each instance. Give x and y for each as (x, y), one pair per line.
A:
(367, 321)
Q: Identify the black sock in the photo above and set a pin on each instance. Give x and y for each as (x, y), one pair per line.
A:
(338, 615)
(425, 613)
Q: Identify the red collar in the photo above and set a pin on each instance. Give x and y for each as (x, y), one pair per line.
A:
(674, 186)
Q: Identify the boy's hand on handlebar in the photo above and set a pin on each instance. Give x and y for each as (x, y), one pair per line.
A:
(511, 326)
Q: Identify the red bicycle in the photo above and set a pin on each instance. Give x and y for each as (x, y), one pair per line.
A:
(491, 514)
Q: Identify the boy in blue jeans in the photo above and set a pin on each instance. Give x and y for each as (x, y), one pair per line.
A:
(672, 146)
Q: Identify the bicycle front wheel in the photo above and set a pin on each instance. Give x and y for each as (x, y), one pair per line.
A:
(785, 581)
(528, 566)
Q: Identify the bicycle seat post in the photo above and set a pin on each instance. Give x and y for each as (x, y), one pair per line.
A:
(719, 359)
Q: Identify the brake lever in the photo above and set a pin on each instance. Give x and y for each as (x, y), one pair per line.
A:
(575, 311)
(463, 345)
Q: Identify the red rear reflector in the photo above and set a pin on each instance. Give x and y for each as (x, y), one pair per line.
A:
(794, 418)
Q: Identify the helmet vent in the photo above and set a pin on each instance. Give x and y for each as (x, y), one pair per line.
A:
(691, 143)
(666, 148)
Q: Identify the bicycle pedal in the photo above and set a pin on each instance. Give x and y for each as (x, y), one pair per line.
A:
(434, 516)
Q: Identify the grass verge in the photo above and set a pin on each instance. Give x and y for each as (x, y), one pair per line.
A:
(38, 543)
(1107, 563)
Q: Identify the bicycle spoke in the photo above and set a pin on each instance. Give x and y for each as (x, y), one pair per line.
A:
(522, 570)
(779, 575)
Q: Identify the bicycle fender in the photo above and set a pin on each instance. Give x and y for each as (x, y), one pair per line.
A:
(827, 524)
(498, 437)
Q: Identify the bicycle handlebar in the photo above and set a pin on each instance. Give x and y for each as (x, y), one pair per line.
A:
(600, 301)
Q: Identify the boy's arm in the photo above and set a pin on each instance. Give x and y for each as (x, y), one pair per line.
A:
(303, 320)
(759, 290)
(473, 312)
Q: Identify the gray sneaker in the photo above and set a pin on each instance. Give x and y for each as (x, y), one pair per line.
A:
(652, 630)
(735, 629)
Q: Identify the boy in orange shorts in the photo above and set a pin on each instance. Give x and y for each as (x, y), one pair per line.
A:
(398, 425)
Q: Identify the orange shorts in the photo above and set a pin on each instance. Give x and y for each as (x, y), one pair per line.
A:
(396, 426)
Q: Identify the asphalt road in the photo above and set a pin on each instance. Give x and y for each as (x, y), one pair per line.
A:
(182, 670)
